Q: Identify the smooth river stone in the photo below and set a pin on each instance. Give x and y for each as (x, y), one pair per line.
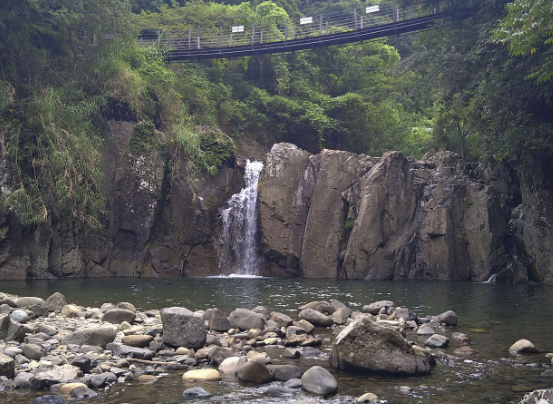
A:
(137, 341)
(522, 346)
(203, 375)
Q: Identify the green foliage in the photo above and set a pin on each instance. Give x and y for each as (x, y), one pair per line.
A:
(216, 148)
(528, 30)
(143, 136)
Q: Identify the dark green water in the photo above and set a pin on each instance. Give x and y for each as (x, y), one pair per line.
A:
(494, 316)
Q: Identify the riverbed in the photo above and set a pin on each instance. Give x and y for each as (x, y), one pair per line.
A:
(493, 315)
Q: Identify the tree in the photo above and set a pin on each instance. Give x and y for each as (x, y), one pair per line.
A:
(528, 30)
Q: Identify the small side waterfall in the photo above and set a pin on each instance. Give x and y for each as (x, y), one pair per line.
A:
(238, 249)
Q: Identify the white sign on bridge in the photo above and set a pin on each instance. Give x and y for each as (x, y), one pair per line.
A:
(306, 20)
(372, 9)
(238, 28)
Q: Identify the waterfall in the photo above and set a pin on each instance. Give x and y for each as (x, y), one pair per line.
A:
(238, 247)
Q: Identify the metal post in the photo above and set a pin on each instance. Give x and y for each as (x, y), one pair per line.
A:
(361, 22)
(199, 42)
(220, 36)
(355, 16)
(293, 33)
(253, 33)
(327, 28)
(189, 37)
(393, 12)
(397, 12)
(158, 38)
(321, 25)
(261, 37)
(230, 40)
(286, 31)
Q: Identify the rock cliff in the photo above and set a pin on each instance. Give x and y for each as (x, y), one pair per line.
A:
(340, 215)
(159, 222)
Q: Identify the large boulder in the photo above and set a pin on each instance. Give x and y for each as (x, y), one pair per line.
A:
(316, 318)
(320, 381)
(59, 374)
(246, 319)
(282, 319)
(99, 336)
(448, 317)
(4, 325)
(182, 328)
(366, 346)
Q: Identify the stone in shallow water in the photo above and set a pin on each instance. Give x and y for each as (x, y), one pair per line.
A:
(206, 375)
(437, 341)
(49, 400)
(368, 398)
(279, 391)
(448, 317)
(522, 346)
(195, 392)
(320, 381)
(253, 372)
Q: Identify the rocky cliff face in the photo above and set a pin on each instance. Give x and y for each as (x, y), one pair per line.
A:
(339, 215)
(160, 223)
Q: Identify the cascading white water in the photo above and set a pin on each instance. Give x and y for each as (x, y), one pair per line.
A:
(238, 249)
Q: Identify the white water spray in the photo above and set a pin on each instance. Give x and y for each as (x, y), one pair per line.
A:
(238, 244)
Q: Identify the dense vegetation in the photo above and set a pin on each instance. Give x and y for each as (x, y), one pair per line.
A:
(471, 86)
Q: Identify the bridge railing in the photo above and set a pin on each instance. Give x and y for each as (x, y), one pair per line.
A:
(308, 27)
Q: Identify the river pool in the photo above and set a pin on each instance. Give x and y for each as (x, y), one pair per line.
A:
(493, 315)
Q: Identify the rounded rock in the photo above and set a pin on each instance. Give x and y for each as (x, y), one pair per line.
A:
(20, 316)
(522, 346)
(320, 381)
(253, 372)
(437, 341)
(204, 375)
(368, 398)
(137, 341)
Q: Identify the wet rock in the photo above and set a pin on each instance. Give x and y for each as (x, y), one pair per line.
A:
(137, 341)
(97, 336)
(195, 392)
(293, 383)
(437, 341)
(282, 320)
(460, 337)
(67, 388)
(283, 373)
(211, 339)
(320, 381)
(368, 398)
(256, 373)
(246, 319)
(81, 392)
(522, 346)
(465, 351)
(218, 355)
(205, 375)
(426, 330)
(217, 321)
(292, 353)
(32, 351)
(146, 379)
(279, 391)
(100, 380)
(375, 307)
(544, 396)
(129, 351)
(367, 346)
(405, 314)
(448, 317)
(49, 400)
(182, 328)
(315, 317)
(117, 316)
(7, 366)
